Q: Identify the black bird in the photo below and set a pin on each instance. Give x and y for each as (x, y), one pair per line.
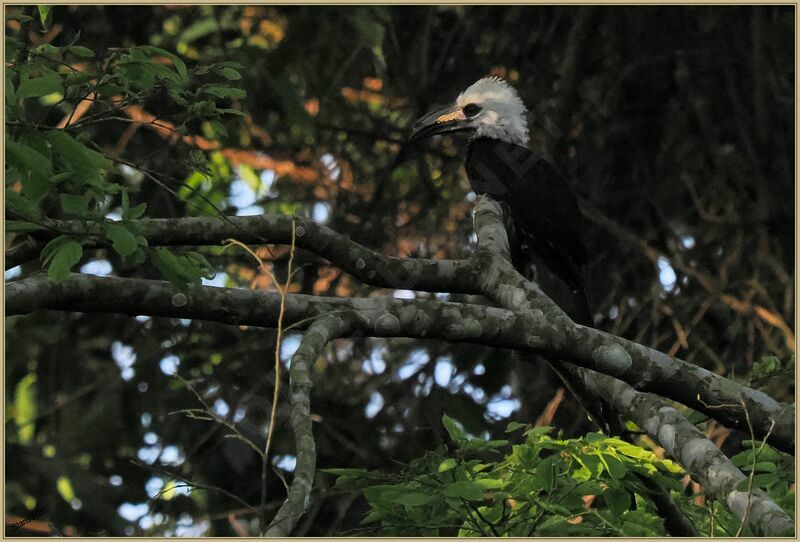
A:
(543, 219)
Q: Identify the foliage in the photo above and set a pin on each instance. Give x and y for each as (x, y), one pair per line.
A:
(767, 469)
(543, 486)
(60, 172)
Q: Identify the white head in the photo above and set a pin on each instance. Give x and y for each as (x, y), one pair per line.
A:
(502, 114)
(490, 107)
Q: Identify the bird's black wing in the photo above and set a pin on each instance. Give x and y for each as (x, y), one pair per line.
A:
(544, 213)
(544, 226)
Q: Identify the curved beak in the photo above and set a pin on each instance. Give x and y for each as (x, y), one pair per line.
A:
(441, 121)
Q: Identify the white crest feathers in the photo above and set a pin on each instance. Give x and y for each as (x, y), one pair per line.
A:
(503, 115)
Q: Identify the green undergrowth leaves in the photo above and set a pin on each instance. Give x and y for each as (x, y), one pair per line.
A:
(543, 486)
(546, 485)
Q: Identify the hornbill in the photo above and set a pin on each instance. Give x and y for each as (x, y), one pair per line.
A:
(542, 216)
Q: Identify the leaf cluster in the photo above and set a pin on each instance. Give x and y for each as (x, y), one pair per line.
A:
(543, 486)
(57, 170)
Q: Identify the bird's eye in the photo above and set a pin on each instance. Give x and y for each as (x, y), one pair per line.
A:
(470, 110)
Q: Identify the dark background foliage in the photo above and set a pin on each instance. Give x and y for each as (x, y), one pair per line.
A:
(673, 124)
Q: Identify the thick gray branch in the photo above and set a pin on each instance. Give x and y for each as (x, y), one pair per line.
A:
(643, 368)
(22, 252)
(370, 267)
(681, 439)
(387, 317)
(321, 332)
(689, 446)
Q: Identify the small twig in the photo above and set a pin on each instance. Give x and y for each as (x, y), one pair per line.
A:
(282, 291)
(191, 484)
(753, 466)
(212, 416)
(281, 478)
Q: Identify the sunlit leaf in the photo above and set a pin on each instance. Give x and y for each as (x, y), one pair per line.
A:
(25, 408)
(40, 86)
(64, 487)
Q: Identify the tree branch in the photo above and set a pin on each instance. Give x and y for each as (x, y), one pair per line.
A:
(369, 266)
(389, 317)
(699, 456)
(643, 368)
(376, 316)
(321, 332)
(22, 252)
(681, 439)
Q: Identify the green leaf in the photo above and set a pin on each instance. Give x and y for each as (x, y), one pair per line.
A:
(372, 517)
(491, 483)
(545, 474)
(765, 452)
(514, 426)
(48, 83)
(201, 263)
(554, 508)
(64, 487)
(411, 497)
(80, 51)
(617, 499)
(74, 205)
(229, 74)
(128, 212)
(591, 438)
(21, 205)
(60, 177)
(62, 259)
(535, 433)
(592, 462)
(123, 240)
(34, 167)
(213, 129)
(199, 29)
(446, 465)
(636, 452)
(178, 270)
(590, 487)
(44, 16)
(25, 408)
(179, 65)
(761, 466)
(86, 164)
(695, 417)
(19, 17)
(765, 480)
(48, 50)
(135, 212)
(640, 524)
(616, 469)
(454, 429)
(465, 489)
(671, 466)
(222, 91)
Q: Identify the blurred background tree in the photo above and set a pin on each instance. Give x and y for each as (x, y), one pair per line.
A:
(673, 124)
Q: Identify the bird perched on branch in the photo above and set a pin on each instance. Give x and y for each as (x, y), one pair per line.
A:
(542, 216)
